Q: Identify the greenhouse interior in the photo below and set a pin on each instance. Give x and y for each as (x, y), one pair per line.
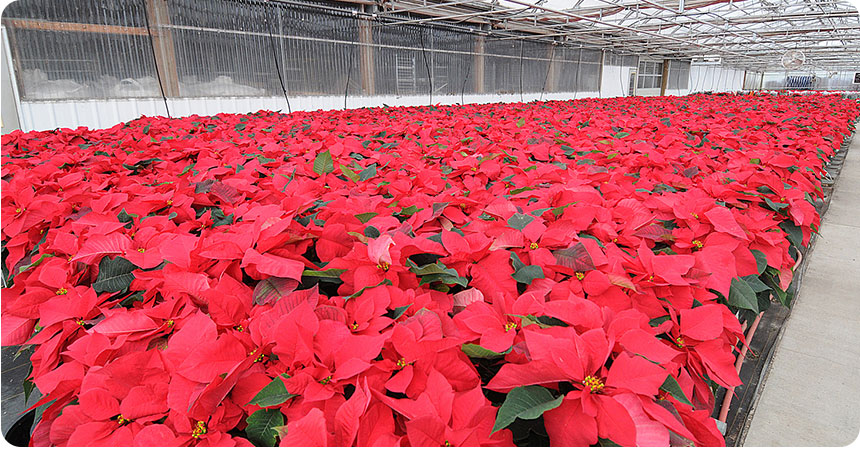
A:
(545, 223)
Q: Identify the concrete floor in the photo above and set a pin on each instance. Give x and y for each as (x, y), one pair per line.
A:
(811, 396)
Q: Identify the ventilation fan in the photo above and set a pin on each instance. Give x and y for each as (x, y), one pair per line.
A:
(793, 59)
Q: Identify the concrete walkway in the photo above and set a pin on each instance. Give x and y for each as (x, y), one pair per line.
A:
(811, 396)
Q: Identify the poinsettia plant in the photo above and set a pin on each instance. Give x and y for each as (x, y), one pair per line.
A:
(557, 273)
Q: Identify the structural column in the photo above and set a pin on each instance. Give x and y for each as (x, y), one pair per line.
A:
(162, 42)
(552, 74)
(479, 63)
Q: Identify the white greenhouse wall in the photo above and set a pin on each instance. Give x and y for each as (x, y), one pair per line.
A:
(711, 78)
(47, 115)
(615, 81)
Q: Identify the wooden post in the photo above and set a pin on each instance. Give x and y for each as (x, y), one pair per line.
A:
(665, 77)
(162, 41)
(552, 76)
(479, 64)
(367, 62)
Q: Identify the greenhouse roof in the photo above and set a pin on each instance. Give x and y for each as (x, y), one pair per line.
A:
(753, 34)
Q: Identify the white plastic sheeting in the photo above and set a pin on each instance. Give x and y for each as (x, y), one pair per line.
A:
(105, 113)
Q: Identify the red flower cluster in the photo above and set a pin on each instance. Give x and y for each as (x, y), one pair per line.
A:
(466, 275)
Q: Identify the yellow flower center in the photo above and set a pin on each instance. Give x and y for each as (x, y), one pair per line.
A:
(169, 202)
(679, 341)
(402, 363)
(580, 276)
(697, 243)
(510, 326)
(474, 169)
(141, 249)
(533, 246)
(62, 291)
(170, 323)
(383, 266)
(462, 206)
(18, 210)
(199, 430)
(593, 383)
(354, 325)
(325, 380)
(121, 420)
(80, 322)
(695, 216)
(651, 278)
(447, 443)
(239, 328)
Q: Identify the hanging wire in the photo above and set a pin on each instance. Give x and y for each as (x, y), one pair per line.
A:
(521, 69)
(275, 56)
(576, 77)
(426, 64)
(468, 69)
(348, 76)
(155, 58)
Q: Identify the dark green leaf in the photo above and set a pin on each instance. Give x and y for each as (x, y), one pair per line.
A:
(272, 289)
(525, 402)
(519, 221)
(261, 427)
(367, 173)
(115, 275)
(742, 296)
(671, 386)
(397, 312)
(760, 261)
(273, 394)
(528, 274)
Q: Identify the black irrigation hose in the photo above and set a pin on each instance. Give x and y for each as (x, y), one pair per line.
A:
(155, 59)
(275, 56)
(426, 64)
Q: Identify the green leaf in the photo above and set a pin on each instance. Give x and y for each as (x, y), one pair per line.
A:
(323, 163)
(329, 273)
(364, 217)
(671, 386)
(408, 211)
(272, 289)
(742, 296)
(521, 122)
(776, 206)
(760, 261)
(367, 173)
(371, 232)
(273, 394)
(146, 129)
(35, 263)
(519, 221)
(476, 351)
(795, 234)
(397, 312)
(261, 427)
(525, 402)
(755, 283)
(115, 275)
(349, 173)
(621, 134)
(528, 274)
(239, 127)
